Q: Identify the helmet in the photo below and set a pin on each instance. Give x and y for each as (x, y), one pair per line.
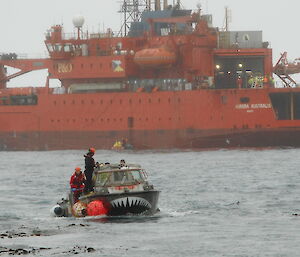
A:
(77, 169)
(92, 150)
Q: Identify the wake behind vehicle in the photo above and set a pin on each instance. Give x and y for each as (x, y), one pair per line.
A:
(117, 191)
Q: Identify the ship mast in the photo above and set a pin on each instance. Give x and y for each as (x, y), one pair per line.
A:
(132, 11)
(227, 18)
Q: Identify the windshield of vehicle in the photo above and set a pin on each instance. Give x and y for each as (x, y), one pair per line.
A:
(121, 177)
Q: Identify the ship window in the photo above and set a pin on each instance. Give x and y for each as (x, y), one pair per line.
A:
(101, 120)
(178, 100)
(101, 101)
(107, 120)
(68, 48)
(169, 100)
(82, 66)
(91, 65)
(120, 101)
(140, 101)
(50, 47)
(121, 119)
(244, 99)
(82, 102)
(92, 102)
(149, 101)
(111, 101)
(54, 102)
(115, 120)
(73, 102)
(57, 47)
(158, 100)
(130, 101)
(64, 102)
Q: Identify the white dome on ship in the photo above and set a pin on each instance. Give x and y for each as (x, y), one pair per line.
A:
(78, 21)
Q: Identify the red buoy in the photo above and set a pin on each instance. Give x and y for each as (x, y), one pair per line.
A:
(96, 208)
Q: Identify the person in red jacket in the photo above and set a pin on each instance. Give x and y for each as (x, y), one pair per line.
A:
(77, 183)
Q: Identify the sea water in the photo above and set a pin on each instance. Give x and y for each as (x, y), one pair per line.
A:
(212, 203)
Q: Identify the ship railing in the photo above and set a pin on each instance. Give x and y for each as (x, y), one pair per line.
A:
(22, 56)
(70, 36)
(86, 35)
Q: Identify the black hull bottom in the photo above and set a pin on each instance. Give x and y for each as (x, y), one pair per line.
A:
(155, 139)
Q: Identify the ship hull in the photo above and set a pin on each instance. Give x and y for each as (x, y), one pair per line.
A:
(159, 120)
(162, 139)
(127, 203)
(130, 203)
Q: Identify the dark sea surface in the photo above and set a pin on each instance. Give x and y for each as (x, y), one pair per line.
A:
(213, 203)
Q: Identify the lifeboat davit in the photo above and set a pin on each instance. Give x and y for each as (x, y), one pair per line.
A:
(154, 57)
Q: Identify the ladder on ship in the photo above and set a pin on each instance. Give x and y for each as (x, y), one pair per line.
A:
(283, 69)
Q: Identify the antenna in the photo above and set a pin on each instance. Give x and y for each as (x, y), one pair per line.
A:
(228, 18)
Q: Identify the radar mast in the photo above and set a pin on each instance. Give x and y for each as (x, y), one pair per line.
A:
(132, 11)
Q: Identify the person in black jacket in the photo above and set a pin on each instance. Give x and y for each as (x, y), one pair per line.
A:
(89, 169)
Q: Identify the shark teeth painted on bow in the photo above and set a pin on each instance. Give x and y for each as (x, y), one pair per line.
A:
(130, 202)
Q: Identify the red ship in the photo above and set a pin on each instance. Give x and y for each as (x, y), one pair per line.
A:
(169, 79)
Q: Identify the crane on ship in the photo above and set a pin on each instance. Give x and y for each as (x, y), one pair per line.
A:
(283, 69)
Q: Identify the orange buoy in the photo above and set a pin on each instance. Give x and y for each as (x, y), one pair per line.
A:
(96, 208)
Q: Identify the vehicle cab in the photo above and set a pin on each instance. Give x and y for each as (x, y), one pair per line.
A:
(115, 179)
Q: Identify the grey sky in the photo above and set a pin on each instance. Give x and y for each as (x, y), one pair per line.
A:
(23, 23)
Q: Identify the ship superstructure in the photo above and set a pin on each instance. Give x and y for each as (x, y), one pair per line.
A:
(167, 79)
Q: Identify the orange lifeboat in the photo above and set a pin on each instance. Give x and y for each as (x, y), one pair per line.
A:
(154, 58)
